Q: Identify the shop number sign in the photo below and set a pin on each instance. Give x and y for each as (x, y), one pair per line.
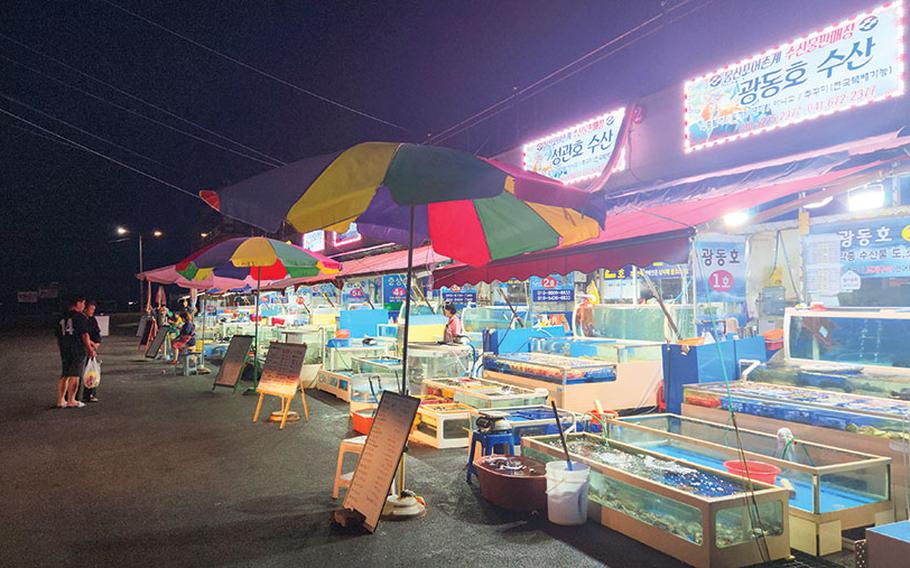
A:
(394, 288)
(459, 295)
(853, 63)
(553, 288)
(721, 274)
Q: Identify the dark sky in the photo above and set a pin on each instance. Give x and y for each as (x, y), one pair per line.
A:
(424, 65)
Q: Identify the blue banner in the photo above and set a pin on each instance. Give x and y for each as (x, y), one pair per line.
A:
(459, 295)
(721, 273)
(553, 288)
(394, 288)
(875, 248)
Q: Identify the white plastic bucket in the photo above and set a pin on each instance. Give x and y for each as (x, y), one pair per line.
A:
(567, 493)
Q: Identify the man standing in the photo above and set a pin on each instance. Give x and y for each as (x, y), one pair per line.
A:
(75, 348)
(94, 334)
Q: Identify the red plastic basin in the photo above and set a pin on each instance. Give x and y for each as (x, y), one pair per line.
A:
(757, 471)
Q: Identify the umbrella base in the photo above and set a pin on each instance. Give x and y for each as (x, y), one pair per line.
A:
(292, 416)
(405, 507)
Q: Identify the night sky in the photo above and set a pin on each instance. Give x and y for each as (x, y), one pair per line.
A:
(422, 65)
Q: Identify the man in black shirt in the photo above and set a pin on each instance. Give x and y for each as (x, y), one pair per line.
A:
(75, 348)
(94, 334)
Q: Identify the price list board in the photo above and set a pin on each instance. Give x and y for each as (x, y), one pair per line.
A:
(381, 454)
(234, 361)
(281, 374)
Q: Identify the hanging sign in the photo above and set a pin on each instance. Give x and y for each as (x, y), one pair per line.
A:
(394, 288)
(27, 297)
(314, 240)
(352, 235)
(578, 153)
(876, 248)
(354, 293)
(553, 288)
(459, 295)
(853, 63)
(721, 273)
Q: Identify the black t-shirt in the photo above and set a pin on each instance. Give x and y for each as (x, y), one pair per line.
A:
(70, 328)
(94, 330)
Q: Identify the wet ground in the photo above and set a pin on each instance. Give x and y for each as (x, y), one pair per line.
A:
(165, 472)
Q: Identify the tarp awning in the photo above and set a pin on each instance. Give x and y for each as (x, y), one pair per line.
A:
(642, 235)
(387, 263)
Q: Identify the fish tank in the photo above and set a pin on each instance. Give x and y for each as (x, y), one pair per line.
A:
(824, 482)
(551, 368)
(698, 515)
(867, 415)
(479, 318)
(342, 358)
(612, 350)
(314, 337)
(367, 388)
(380, 366)
(642, 322)
(431, 361)
(443, 424)
(483, 393)
(531, 420)
(336, 383)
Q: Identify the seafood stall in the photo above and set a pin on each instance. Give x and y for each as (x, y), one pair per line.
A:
(336, 383)
(340, 353)
(483, 393)
(526, 421)
(573, 383)
(831, 490)
(697, 515)
(443, 424)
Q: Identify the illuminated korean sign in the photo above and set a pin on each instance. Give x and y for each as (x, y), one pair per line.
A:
(853, 63)
(578, 153)
(314, 240)
(348, 237)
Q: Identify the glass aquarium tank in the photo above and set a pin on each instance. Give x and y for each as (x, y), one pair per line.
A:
(611, 350)
(531, 420)
(336, 383)
(367, 388)
(341, 358)
(443, 424)
(380, 366)
(825, 483)
(641, 322)
(551, 368)
(483, 393)
(432, 361)
(860, 414)
(700, 516)
(490, 317)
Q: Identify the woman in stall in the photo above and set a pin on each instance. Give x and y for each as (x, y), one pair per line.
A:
(454, 329)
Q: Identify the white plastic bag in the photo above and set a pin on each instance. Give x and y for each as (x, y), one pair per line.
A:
(91, 378)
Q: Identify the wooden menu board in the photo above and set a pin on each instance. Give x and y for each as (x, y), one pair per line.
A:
(155, 345)
(381, 454)
(281, 373)
(234, 361)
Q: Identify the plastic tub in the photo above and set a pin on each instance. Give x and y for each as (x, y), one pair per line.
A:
(757, 470)
(516, 483)
(567, 493)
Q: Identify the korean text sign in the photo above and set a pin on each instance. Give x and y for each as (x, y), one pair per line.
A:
(721, 272)
(553, 288)
(459, 295)
(577, 153)
(875, 248)
(853, 63)
(394, 288)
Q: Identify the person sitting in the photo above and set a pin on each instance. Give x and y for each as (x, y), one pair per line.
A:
(186, 337)
(454, 329)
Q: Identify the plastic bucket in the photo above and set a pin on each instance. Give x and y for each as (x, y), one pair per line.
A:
(567, 493)
(758, 471)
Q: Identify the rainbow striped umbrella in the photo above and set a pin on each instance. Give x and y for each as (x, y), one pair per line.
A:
(259, 259)
(471, 209)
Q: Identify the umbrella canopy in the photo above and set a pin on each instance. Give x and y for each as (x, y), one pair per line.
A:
(169, 275)
(472, 209)
(256, 258)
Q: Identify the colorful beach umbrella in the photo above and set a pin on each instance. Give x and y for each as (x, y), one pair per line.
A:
(169, 275)
(471, 209)
(256, 259)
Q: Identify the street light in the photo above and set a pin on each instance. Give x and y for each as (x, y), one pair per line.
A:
(123, 232)
(204, 235)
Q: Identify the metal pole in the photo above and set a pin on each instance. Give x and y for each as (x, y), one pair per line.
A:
(256, 332)
(407, 325)
(139, 305)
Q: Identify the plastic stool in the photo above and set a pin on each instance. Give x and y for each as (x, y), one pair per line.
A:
(348, 446)
(190, 369)
(488, 442)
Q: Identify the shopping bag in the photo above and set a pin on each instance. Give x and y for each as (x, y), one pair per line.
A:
(92, 375)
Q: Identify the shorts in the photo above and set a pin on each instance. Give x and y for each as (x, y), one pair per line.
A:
(73, 363)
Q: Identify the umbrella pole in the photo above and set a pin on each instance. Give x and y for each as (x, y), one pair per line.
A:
(405, 504)
(200, 368)
(256, 332)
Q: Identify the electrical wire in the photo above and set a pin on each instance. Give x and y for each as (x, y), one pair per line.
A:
(74, 127)
(256, 70)
(503, 104)
(99, 154)
(135, 113)
(141, 100)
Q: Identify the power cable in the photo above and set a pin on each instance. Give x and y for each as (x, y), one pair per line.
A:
(503, 104)
(256, 70)
(137, 114)
(141, 100)
(99, 154)
(74, 127)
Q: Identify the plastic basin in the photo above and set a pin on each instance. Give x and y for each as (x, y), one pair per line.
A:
(757, 470)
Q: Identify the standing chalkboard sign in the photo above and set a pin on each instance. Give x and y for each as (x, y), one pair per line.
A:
(238, 352)
(281, 378)
(381, 454)
(155, 345)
